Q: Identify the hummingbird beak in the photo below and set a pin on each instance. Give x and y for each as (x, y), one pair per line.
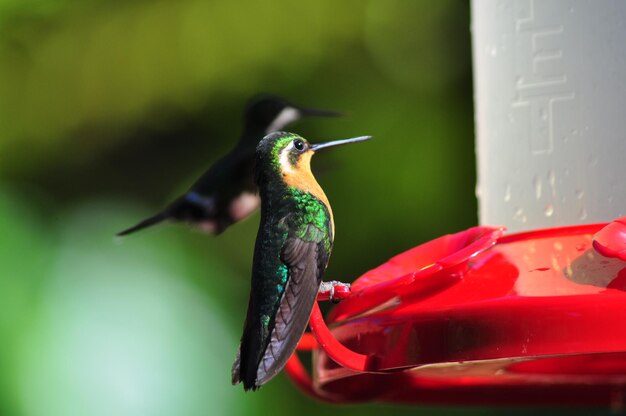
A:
(319, 146)
(314, 112)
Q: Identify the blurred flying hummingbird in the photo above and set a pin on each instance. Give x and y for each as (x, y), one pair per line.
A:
(226, 192)
(292, 249)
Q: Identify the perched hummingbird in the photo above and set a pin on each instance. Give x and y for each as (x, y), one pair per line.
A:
(226, 192)
(292, 249)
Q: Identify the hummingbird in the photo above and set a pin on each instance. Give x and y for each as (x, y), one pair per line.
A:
(226, 193)
(291, 252)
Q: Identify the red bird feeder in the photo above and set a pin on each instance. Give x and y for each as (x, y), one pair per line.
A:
(479, 317)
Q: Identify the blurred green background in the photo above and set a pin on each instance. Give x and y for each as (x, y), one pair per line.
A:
(109, 109)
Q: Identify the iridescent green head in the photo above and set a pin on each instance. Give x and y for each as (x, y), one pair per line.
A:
(287, 157)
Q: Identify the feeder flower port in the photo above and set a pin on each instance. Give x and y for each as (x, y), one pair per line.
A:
(480, 317)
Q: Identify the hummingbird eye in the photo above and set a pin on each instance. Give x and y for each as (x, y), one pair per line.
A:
(298, 145)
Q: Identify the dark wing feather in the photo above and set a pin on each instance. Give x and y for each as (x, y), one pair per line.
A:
(306, 259)
(292, 316)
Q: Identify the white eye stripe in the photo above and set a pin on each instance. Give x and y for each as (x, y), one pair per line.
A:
(285, 164)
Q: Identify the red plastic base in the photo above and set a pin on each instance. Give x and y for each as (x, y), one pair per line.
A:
(477, 317)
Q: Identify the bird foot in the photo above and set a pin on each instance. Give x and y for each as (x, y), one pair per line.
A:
(334, 291)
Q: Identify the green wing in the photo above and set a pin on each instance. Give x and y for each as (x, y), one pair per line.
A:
(306, 258)
(293, 272)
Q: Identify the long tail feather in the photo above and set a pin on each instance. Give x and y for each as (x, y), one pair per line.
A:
(144, 224)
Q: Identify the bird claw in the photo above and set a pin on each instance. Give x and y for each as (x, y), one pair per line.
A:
(334, 291)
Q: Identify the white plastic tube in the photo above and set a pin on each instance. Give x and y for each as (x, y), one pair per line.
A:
(550, 97)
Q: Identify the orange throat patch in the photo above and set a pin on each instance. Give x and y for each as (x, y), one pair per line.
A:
(301, 177)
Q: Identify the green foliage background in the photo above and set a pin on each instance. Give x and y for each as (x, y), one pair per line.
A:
(108, 109)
